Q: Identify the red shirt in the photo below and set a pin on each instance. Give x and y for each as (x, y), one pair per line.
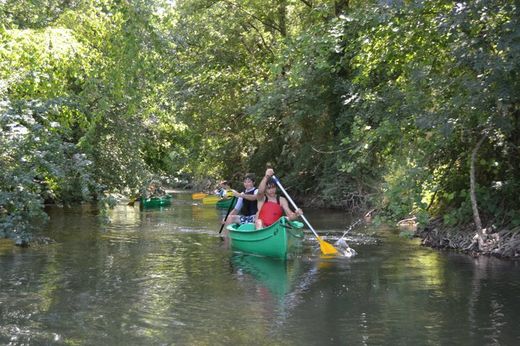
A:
(270, 212)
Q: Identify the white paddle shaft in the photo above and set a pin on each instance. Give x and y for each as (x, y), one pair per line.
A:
(294, 205)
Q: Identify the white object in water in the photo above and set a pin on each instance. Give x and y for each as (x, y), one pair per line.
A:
(344, 249)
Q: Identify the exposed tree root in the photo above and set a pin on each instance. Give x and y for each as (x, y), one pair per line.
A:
(503, 243)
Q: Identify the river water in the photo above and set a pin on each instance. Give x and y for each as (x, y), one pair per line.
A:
(166, 277)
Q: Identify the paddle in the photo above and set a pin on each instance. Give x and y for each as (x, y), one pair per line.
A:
(133, 200)
(227, 214)
(326, 248)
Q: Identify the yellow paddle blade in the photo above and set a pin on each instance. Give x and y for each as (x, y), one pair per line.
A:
(326, 248)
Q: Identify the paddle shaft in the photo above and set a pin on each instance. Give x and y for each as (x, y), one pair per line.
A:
(294, 205)
(227, 214)
(133, 200)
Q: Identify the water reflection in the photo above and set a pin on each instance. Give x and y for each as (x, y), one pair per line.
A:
(278, 284)
(273, 276)
(165, 277)
(204, 213)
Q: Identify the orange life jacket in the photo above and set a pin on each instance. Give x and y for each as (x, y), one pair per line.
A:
(270, 212)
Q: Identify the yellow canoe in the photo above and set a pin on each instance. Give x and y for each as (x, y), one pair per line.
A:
(198, 195)
(213, 199)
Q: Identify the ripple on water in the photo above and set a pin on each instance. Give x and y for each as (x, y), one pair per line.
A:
(14, 335)
(163, 277)
(121, 237)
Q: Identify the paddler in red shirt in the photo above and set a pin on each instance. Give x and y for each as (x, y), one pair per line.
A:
(271, 206)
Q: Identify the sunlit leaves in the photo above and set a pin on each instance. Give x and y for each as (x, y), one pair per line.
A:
(37, 166)
(429, 79)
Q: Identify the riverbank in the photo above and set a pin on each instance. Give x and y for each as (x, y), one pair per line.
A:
(503, 243)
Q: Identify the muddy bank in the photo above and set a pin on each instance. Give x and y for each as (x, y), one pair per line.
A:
(503, 243)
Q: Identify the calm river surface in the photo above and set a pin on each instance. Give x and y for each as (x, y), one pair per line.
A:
(165, 277)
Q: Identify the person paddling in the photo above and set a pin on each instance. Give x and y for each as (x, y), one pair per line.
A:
(271, 206)
(246, 207)
(222, 189)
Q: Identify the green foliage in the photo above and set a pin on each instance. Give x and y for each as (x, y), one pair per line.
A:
(421, 97)
(73, 96)
(33, 14)
(356, 104)
(37, 165)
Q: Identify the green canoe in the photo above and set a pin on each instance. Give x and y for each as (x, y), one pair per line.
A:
(155, 202)
(278, 240)
(226, 203)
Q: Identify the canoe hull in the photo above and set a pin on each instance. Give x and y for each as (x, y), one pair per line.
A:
(226, 203)
(198, 195)
(155, 202)
(213, 199)
(278, 240)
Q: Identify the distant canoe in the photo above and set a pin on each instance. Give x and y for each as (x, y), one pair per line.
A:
(226, 203)
(198, 195)
(278, 240)
(155, 202)
(213, 199)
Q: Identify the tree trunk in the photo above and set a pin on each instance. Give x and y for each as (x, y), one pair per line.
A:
(340, 6)
(474, 205)
(282, 17)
